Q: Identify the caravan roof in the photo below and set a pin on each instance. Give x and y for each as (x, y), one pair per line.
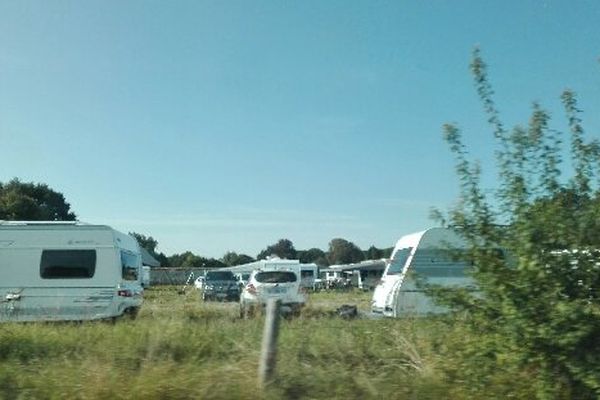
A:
(430, 238)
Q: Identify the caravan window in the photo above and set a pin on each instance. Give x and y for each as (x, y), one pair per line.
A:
(68, 264)
(307, 273)
(397, 263)
(440, 263)
(130, 265)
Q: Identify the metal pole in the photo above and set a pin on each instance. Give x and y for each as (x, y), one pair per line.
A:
(268, 355)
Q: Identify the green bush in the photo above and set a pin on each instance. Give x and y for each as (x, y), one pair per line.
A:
(537, 316)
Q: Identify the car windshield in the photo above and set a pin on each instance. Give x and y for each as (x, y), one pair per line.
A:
(220, 276)
(275, 277)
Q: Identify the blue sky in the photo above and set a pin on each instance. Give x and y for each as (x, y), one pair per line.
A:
(227, 125)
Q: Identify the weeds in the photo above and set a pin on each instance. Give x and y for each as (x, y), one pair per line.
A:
(182, 348)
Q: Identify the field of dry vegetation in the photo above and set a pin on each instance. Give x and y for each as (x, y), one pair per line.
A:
(181, 348)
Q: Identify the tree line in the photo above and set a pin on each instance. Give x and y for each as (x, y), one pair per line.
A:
(340, 251)
(28, 201)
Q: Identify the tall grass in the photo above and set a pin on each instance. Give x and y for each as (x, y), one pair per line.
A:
(181, 348)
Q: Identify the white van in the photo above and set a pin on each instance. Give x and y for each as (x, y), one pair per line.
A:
(58, 271)
(431, 255)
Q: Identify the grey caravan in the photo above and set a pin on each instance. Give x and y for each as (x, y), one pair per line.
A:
(61, 271)
(430, 254)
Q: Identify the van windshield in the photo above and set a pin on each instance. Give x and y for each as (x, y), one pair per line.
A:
(275, 277)
(397, 263)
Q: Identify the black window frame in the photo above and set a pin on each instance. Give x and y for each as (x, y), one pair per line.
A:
(307, 273)
(128, 271)
(68, 263)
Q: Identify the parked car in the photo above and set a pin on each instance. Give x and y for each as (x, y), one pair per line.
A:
(280, 284)
(220, 285)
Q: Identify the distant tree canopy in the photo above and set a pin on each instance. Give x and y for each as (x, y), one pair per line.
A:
(284, 248)
(151, 245)
(342, 251)
(147, 242)
(191, 260)
(373, 253)
(21, 201)
(231, 258)
(313, 255)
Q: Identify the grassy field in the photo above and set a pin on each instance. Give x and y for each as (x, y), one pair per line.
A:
(181, 348)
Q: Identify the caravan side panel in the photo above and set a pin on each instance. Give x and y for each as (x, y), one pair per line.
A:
(428, 255)
(60, 273)
(434, 261)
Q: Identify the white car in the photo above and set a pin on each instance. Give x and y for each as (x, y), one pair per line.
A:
(280, 284)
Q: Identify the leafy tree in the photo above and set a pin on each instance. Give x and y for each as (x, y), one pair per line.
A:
(342, 251)
(214, 263)
(232, 258)
(163, 259)
(190, 260)
(284, 248)
(33, 202)
(186, 260)
(147, 242)
(313, 255)
(374, 253)
(151, 244)
(538, 310)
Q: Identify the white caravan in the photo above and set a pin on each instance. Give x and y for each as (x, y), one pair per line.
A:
(308, 276)
(60, 271)
(430, 255)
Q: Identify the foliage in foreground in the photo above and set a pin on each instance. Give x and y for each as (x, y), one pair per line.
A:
(539, 306)
(181, 348)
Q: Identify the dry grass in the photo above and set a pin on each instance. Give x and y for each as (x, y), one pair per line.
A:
(181, 348)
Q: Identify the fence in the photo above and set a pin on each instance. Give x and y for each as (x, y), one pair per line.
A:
(173, 276)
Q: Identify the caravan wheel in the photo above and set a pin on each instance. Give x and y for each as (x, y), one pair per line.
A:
(131, 313)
